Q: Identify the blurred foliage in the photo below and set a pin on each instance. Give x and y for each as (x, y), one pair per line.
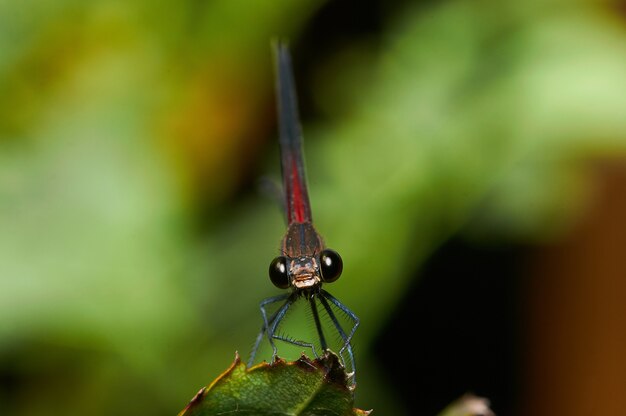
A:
(130, 272)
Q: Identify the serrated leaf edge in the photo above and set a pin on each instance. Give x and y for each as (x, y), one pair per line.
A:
(204, 390)
(197, 399)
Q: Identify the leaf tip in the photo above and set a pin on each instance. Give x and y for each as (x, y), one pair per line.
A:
(193, 402)
(278, 360)
(334, 369)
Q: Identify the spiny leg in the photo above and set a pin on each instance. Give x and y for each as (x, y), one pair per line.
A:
(298, 343)
(318, 324)
(346, 341)
(344, 309)
(280, 314)
(257, 342)
(346, 338)
(259, 338)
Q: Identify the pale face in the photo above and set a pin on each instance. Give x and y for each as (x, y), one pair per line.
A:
(304, 272)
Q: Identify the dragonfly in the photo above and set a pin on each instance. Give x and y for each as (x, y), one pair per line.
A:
(305, 264)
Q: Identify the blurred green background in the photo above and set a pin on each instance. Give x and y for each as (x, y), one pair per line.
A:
(134, 242)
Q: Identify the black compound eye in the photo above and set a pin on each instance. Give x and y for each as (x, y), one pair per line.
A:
(278, 272)
(331, 265)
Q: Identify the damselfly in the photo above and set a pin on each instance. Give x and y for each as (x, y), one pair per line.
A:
(305, 264)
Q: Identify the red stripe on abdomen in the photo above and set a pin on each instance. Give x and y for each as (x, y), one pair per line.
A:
(298, 206)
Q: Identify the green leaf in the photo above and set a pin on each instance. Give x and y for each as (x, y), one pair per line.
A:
(301, 387)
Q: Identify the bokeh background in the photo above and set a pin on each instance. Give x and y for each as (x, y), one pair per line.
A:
(467, 158)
